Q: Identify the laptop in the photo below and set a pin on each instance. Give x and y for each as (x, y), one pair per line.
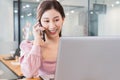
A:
(88, 58)
(6, 73)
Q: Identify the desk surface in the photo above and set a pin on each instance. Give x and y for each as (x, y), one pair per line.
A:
(14, 68)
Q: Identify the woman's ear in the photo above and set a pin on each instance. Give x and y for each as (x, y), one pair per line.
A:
(63, 19)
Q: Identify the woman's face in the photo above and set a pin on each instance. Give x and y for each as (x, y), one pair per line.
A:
(52, 21)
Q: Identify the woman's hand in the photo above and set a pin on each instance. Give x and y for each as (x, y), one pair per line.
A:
(37, 33)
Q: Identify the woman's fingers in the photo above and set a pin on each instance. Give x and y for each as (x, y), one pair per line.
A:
(38, 27)
(38, 30)
(42, 28)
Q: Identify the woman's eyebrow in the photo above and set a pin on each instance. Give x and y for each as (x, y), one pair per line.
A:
(53, 17)
(45, 18)
(56, 17)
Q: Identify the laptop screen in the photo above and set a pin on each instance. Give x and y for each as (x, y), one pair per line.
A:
(88, 58)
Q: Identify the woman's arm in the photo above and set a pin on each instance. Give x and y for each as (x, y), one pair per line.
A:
(30, 59)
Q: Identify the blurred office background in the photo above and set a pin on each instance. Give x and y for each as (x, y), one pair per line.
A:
(83, 18)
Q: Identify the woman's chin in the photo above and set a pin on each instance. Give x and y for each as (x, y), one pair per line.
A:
(55, 35)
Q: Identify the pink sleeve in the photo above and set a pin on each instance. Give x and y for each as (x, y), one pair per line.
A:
(30, 59)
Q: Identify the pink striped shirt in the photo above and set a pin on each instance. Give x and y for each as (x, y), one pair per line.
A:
(32, 64)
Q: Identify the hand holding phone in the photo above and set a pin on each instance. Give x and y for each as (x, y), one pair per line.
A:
(38, 33)
(43, 32)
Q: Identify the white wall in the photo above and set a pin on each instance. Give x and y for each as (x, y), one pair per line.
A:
(7, 47)
(6, 27)
(75, 24)
(6, 20)
(109, 23)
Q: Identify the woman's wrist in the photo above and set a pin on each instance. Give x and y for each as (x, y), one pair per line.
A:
(37, 42)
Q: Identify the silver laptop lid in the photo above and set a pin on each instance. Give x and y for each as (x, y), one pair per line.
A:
(88, 58)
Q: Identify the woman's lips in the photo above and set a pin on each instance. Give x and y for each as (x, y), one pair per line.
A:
(53, 31)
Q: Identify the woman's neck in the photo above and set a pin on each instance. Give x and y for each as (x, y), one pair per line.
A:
(52, 40)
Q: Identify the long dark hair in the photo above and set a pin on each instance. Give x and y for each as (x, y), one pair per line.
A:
(47, 5)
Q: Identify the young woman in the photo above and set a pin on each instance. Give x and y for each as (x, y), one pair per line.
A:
(38, 57)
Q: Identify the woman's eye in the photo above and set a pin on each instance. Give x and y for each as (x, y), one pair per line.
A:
(57, 20)
(46, 21)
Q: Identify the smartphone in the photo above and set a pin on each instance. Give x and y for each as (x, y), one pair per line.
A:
(43, 32)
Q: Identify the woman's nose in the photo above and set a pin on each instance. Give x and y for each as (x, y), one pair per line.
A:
(52, 25)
